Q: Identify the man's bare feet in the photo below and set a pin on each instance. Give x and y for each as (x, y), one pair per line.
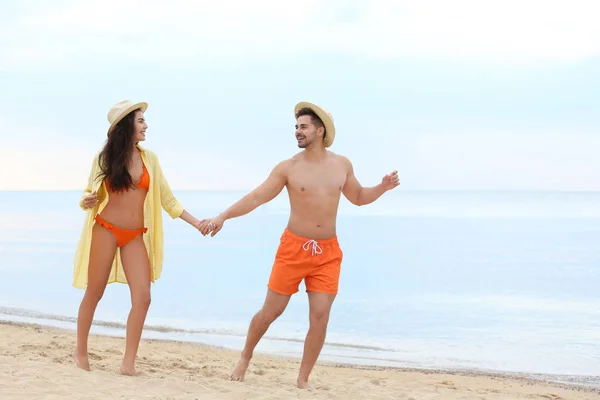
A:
(239, 371)
(304, 385)
(81, 361)
(128, 370)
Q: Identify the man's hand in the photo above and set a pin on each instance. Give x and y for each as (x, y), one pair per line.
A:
(211, 225)
(90, 200)
(390, 181)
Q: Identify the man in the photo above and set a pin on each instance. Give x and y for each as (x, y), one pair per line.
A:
(309, 249)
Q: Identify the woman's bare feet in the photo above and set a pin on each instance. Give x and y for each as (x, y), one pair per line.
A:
(239, 371)
(304, 385)
(128, 370)
(82, 362)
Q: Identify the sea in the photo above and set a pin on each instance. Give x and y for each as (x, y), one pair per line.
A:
(489, 281)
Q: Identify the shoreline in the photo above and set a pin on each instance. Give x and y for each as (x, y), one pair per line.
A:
(367, 363)
(21, 334)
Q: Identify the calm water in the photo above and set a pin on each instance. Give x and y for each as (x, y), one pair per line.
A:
(486, 280)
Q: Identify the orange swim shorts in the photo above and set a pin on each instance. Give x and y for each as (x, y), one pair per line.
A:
(318, 262)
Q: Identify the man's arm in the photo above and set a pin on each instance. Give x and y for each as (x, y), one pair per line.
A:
(264, 193)
(360, 195)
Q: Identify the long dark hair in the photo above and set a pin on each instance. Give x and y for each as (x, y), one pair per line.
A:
(117, 152)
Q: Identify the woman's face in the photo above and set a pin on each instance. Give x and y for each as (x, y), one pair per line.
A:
(139, 127)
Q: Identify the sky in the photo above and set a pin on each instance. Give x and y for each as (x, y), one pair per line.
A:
(455, 95)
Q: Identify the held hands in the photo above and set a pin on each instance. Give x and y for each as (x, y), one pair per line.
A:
(211, 225)
(90, 200)
(390, 181)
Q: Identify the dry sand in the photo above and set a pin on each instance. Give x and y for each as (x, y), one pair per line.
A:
(35, 363)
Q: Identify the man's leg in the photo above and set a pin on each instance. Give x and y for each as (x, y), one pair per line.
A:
(320, 306)
(274, 305)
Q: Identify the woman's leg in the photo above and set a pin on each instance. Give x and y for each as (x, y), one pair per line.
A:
(102, 254)
(137, 270)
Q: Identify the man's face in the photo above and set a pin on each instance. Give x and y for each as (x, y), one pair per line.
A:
(306, 131)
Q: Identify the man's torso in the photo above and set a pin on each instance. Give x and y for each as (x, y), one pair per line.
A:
(314, 190)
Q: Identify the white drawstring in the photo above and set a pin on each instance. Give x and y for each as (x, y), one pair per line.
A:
(315, 247)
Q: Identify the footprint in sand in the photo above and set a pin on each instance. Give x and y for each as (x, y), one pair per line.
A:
(448, 384)
(210, 372)
(95, 357)
(179, 365)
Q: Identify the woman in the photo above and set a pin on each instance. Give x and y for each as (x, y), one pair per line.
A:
(122, 237)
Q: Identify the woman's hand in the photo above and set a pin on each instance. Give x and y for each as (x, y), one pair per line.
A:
(90, 200)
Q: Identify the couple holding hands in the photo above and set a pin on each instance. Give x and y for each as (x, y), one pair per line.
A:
(122, 236)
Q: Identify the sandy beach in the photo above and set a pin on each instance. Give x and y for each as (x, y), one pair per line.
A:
(35, 363)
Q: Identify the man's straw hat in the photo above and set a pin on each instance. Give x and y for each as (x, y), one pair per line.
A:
(325, 116)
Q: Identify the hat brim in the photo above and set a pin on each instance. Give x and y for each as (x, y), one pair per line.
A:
(142, 105)
(327, 121)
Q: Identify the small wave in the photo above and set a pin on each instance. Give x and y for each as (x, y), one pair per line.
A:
(20, 312)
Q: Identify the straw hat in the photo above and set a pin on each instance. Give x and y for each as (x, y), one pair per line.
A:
(325, 116)
(120, 111)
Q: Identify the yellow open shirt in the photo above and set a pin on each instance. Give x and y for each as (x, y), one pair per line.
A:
(159, 195)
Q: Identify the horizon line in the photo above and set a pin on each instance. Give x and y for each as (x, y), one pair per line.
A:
(395, 191)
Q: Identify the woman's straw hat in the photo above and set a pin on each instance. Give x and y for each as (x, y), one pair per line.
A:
(120, 111)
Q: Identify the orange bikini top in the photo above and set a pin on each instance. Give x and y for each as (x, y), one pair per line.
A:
(144, 182)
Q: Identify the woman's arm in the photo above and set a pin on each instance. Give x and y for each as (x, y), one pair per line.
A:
(170, 204)
(90, 198)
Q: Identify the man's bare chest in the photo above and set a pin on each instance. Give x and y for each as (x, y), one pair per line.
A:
(317, 182)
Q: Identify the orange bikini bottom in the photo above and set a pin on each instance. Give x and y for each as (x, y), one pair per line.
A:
(123, 236)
